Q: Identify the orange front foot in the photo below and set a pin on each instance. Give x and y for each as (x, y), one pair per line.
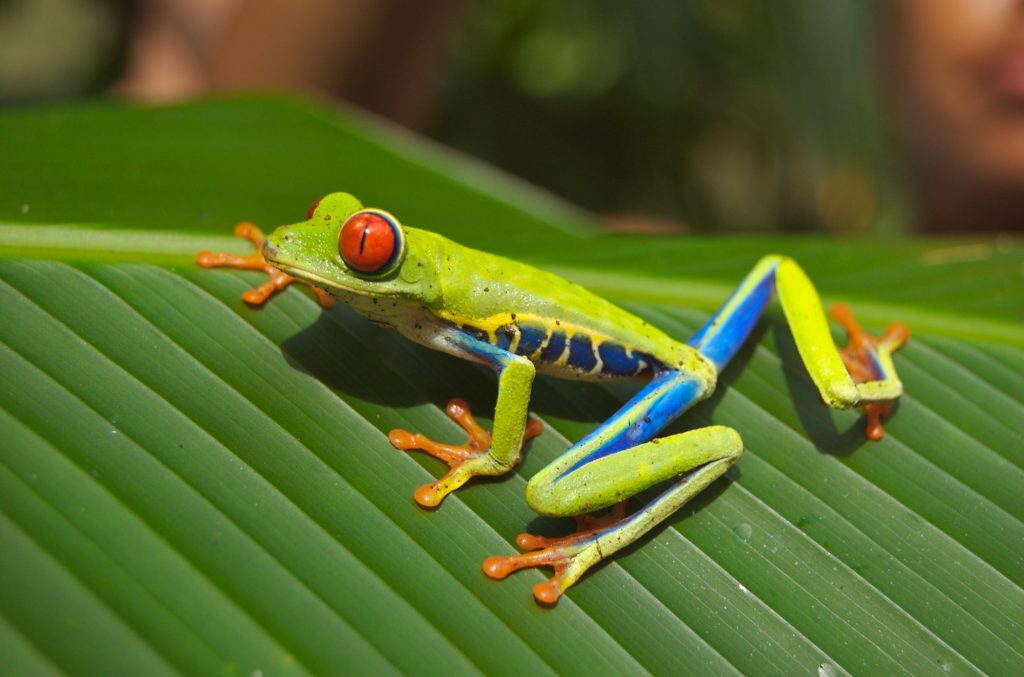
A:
(570, 556)
(859, 358)
(464, 460)
(255, 261)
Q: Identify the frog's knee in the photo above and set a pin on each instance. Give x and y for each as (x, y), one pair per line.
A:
(732, 444)
(840, 394)
(543, 499)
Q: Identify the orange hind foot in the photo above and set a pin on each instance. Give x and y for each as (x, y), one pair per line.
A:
(860, 358)
(570, 556)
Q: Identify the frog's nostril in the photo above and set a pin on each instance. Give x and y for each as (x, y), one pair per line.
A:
(269, 250)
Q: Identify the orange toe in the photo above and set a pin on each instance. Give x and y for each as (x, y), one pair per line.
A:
(276, 281)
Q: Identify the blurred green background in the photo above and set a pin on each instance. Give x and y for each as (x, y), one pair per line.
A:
(722, 115)
(709, 116)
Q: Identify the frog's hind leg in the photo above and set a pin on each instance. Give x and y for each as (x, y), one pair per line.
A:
(861, 375)
(697, 458)
(277, 280)
(613, 463)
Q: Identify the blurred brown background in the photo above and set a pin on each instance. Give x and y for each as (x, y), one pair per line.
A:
(718, 115)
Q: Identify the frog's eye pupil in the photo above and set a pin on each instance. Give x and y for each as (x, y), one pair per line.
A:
(312, 209)
(370, 242)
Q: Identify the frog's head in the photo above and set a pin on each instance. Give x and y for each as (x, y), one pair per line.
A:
(344, 247)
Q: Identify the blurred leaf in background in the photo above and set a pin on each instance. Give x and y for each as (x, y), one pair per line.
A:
(56, 49)
(724, 115)
(713, 116)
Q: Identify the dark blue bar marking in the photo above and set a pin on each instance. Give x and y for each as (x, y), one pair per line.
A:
(581, 353)
(530, 338)
(721, 338)
(504, 335)
(555, 347)
(614, 360)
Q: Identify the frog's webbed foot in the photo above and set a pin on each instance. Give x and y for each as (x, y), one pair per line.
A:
(464, 460)
(861, 357)
(277, 279)
(570, 555)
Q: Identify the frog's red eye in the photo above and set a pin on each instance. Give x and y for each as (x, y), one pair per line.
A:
(312, 208)
(371, 242)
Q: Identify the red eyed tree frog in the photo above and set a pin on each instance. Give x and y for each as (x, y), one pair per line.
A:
(518, 321)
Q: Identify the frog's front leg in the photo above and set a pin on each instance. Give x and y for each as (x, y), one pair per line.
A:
(484, 453)
(276, 279)
(613, 463)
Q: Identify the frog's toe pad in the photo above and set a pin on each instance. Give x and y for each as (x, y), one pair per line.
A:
(428, 495)
(874, 413)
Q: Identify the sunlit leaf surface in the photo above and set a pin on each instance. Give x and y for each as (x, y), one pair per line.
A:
(190, 485)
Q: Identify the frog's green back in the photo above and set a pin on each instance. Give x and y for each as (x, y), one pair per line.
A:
(489, 292)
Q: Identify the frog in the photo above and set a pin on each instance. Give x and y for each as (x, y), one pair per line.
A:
(520, 321)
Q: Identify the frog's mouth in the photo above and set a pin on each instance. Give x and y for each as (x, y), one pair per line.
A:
(307, 276)
(272, 255)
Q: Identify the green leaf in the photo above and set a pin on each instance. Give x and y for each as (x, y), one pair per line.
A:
(191, 485)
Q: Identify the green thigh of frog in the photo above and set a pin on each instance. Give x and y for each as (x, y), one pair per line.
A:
(519, 320)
